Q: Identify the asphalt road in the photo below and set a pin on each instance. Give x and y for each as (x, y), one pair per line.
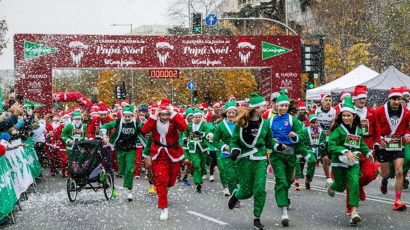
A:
(50, 208)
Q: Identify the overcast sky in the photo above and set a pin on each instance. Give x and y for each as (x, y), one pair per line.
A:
(77, 17)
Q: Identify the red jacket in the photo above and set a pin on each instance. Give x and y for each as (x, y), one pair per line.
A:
(385, 122)
(55, 139)
(373, 135)
(94, 125)
(172, 147)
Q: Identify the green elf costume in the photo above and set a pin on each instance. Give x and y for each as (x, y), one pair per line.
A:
(124, 140)
(249, 146)
(283, 158)
(198, 149)
(221, 140)
(342, 140)
(73, 131)
(314, 140)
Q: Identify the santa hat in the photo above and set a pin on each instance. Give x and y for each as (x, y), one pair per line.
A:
(359, 91)
(124, 103)
(94, 111)
(323, 96)
(344, 94)
(103, 109)
(199, 106)
(164, 105)
(244, 43)
(231, 98)
(128, 109)
(395, 92)
(75, 43)
(77, 109)
(204, 105)
(274, 95)
(230, 105)
(404, 90)
(301, 104)
(216, 104)
(256, 100)
(163, 44)
(348, 105)
(282, 98)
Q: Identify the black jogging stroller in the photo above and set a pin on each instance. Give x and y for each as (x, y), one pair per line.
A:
(87, 171)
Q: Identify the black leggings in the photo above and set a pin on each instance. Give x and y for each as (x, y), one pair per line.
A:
(212, 154)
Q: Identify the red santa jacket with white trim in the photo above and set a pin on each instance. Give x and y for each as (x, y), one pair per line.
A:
(373, 135)
(170, 144)
(386, 125)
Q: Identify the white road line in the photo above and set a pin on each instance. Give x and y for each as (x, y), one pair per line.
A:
(377, 199)
(208, 218)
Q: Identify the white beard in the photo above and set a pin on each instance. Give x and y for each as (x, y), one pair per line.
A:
(77, 57)
(55, 125)
(244, 57)
(162, 129)
(162, 58)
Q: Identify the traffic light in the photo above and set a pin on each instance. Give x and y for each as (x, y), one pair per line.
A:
(309, 84)
(196, 23)
(195, 96)
(120, 92)
(312, 59)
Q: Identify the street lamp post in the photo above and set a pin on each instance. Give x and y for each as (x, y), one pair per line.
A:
(132, 71)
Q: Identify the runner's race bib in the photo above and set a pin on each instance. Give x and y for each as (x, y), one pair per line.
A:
(77, 134)
(365, 126)
(394, 143)
(352, 141)
(194, 137)
(315, 139)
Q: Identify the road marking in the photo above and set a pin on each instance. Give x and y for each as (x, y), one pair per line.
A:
(208, 218)
(372, 198)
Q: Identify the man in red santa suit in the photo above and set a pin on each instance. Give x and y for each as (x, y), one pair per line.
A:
(343, 95)
(93, 132)
(394, 130)
(371, 133)
(57, 149)
(166, 152)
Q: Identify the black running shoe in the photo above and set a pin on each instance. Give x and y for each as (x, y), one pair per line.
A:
(307, 185)
(257, 224)
(233, 200)
(199, 188)
(405, 183)
(383, 187)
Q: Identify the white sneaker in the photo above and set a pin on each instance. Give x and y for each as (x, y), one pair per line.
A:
(285, 220)
(129, 196)
(204, 177)
(355, 218)
(211, 178)
(164, 214)
(226, 192)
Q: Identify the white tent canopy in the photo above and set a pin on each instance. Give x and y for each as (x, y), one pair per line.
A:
(350, 80)
(391, 77)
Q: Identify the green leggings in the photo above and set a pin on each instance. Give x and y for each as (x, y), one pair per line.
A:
(252, 181)
(283, 166)
(310, 171)
(227, 170)
(126, 161)
(347, 177)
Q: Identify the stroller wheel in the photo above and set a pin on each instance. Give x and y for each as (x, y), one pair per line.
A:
(71, 189)
(108, 186)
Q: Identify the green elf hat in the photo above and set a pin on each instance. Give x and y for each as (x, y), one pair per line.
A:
(77, 114)
(282, 98)
(312, 117)
(256, 100)
(348, 105)
(198, 112)
(128, 109)
(230, 105)
(189, 112)
(28, 105)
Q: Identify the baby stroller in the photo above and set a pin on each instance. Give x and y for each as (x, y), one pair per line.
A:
(87, 171)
